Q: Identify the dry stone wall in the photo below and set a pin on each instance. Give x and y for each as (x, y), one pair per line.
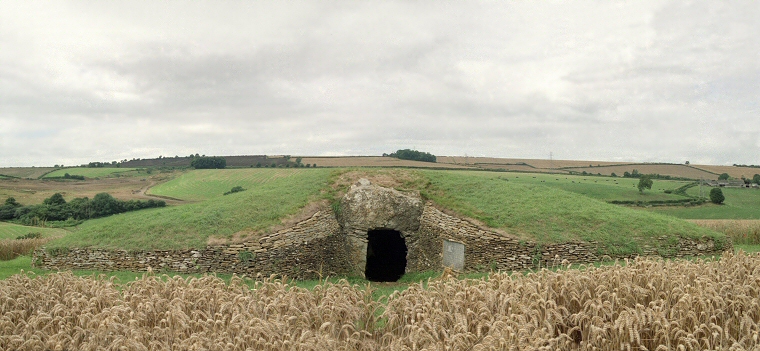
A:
(307, 250)
(487, 249)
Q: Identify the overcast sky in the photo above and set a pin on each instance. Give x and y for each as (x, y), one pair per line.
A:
(642, 81)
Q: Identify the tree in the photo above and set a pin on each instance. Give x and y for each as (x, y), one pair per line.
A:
(716, 196)
(723, 176)
(644, 183)
(55, 200)
(756, 179)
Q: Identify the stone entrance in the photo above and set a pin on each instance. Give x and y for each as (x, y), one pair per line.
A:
(380, 225)
(386, 255)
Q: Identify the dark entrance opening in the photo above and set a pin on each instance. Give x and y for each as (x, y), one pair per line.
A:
(386, 255)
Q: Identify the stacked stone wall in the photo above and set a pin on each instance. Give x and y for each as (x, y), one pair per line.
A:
(488, 249)
(307, 250)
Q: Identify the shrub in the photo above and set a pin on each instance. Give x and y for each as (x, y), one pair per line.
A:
(723, 176)
(716, 196)
(236, 189)
(30, 235)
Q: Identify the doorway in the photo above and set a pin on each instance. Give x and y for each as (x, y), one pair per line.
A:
(386, 255)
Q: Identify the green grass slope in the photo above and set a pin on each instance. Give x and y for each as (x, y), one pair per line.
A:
(274, 195)
(204, 184)
(534, 211)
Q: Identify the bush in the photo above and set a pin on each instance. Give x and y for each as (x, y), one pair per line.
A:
(723, 176)
(716, 196)
(31, 235)
(236, 189)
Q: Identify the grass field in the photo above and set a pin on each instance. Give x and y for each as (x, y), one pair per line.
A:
(550, 215)
(740, 203)
(26, 172)
(600, 188)
(278, 194)
(207, 184)
(91, 172)
(12, 231)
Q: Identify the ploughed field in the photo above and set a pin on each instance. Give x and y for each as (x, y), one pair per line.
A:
(647, 304)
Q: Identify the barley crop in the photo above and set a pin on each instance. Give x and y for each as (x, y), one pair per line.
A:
(741, 231)
(647, 304)
(10, 248)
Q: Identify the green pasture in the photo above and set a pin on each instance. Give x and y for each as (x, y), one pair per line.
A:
(12, 231)
(205, 184)
(261, 206)
(90, 172)
(740, 203)
(597, 187)
(533, 211)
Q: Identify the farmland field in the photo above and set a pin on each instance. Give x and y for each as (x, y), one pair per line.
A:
(372, 161)
(646, 304)
(742, 231)
(33, 191)
(734, 172)
(91, 172)
(537, 163)
(682, 171)
(532, 211)
(740, 203)
(26, 172)
(271, 195)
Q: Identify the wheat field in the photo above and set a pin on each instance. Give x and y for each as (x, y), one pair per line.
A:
(646, 304)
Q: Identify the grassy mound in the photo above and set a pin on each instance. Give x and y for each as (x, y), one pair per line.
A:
(528, 208)
(546, 214)
(270, 196)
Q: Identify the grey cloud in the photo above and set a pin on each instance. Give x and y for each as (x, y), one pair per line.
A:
(650, 81)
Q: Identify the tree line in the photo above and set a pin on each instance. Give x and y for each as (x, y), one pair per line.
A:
(55, 208)
(414, 155)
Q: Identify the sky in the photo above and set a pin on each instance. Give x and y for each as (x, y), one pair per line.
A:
(638, 81)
